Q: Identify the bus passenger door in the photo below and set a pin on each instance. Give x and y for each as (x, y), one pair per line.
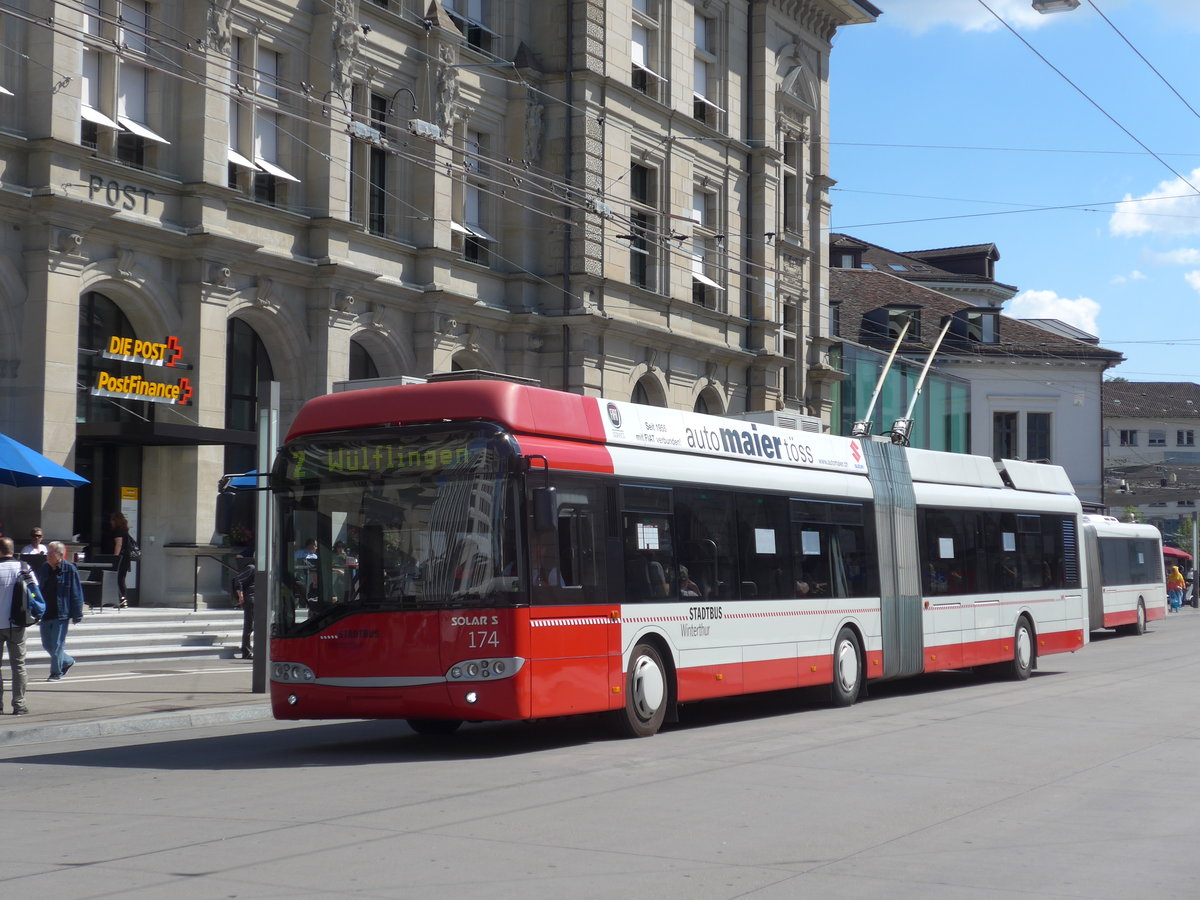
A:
(570, 615)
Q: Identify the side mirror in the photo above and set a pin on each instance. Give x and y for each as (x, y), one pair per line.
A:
(545, 508)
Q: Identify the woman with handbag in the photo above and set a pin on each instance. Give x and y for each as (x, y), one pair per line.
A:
(123, 550)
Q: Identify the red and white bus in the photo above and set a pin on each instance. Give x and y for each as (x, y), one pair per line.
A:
(489, 551)
(1126, 587)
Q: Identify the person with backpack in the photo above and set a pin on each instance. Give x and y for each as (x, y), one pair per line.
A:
(12, 636)
(63, 594)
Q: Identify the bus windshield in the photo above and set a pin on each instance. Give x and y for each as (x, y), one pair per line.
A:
(414, 518)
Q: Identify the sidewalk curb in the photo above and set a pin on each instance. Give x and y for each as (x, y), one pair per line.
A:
(140, 724)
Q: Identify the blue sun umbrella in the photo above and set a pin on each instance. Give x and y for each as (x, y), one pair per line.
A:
(22, 466)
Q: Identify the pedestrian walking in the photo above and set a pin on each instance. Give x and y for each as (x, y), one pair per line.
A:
(243, 591)
(1175, 587)
(12, 636)
(122, 547)
(63, 594)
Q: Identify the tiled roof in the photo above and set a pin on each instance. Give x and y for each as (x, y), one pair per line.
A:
(1151, 400)
(859, 291)
(919, 265)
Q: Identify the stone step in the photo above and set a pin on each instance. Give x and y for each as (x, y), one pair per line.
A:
(140, 633)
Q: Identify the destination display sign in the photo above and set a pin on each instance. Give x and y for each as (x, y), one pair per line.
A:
(418, 455)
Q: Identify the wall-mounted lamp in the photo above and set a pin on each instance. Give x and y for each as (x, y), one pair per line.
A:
(392, 102)
(1053, 6)
(770, 235)
(325, 107)
(366, 29)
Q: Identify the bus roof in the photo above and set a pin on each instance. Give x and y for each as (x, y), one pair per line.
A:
(543, 413)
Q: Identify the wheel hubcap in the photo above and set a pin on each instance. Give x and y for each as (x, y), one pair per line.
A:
(847, 666)
(649, 687)
(1024, 648)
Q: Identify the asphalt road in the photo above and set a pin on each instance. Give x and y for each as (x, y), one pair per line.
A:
(1082, 783)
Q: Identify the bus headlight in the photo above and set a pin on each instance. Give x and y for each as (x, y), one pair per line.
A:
(292, 673)
(478, 669)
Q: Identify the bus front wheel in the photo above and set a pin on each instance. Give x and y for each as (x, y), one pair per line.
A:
(1139, 627)
(646, 693)
(847, 669)
(434, 727)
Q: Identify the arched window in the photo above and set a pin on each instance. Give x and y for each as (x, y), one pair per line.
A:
(361, 364)
(246, 366)
(100, 320)
(701, 405)
(640, 395)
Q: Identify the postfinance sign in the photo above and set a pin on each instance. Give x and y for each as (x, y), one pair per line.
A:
(166, 354)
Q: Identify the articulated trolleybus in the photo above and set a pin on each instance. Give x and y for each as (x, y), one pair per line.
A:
(482, 550)
(1126, 587)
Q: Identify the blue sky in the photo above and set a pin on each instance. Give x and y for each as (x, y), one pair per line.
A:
(946, 129)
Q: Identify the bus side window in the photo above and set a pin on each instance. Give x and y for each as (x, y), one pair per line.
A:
(649, 558)
(566, 561)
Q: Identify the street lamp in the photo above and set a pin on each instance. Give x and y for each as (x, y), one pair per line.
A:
(1052, 6)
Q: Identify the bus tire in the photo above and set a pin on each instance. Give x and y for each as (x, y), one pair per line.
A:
(434, 727)
(647, 693)
(1021, 666)
(1139, 627)
(847, 669)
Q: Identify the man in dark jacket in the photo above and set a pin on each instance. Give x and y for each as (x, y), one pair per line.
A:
(63, 593)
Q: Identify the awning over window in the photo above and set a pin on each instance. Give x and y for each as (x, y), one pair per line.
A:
(238, 160)
(141, 130)
(271, 169)
(98, 118)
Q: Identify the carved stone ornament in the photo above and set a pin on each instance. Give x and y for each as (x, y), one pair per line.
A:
(220, 24)
(447, 325)
(69, 241)
(651, 357)
(264, 293)
(219, 274)
(342, 302)
(710, 372)
(534, 126)
(373, 317)
(126, 262)
(347, 34)
(449, 92)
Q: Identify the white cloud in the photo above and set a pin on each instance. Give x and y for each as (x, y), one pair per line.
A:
(1182, 256)
(1171, 208)
(1193, 278)
(1081, 312)
(921, 15)
(1135, 275)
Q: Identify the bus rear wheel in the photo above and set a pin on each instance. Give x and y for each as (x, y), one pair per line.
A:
(434, 727)
(646, 693)
(1139, 627)
(1022, 662)
(847, 669)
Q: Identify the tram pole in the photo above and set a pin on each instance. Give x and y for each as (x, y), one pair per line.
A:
(268, 440)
